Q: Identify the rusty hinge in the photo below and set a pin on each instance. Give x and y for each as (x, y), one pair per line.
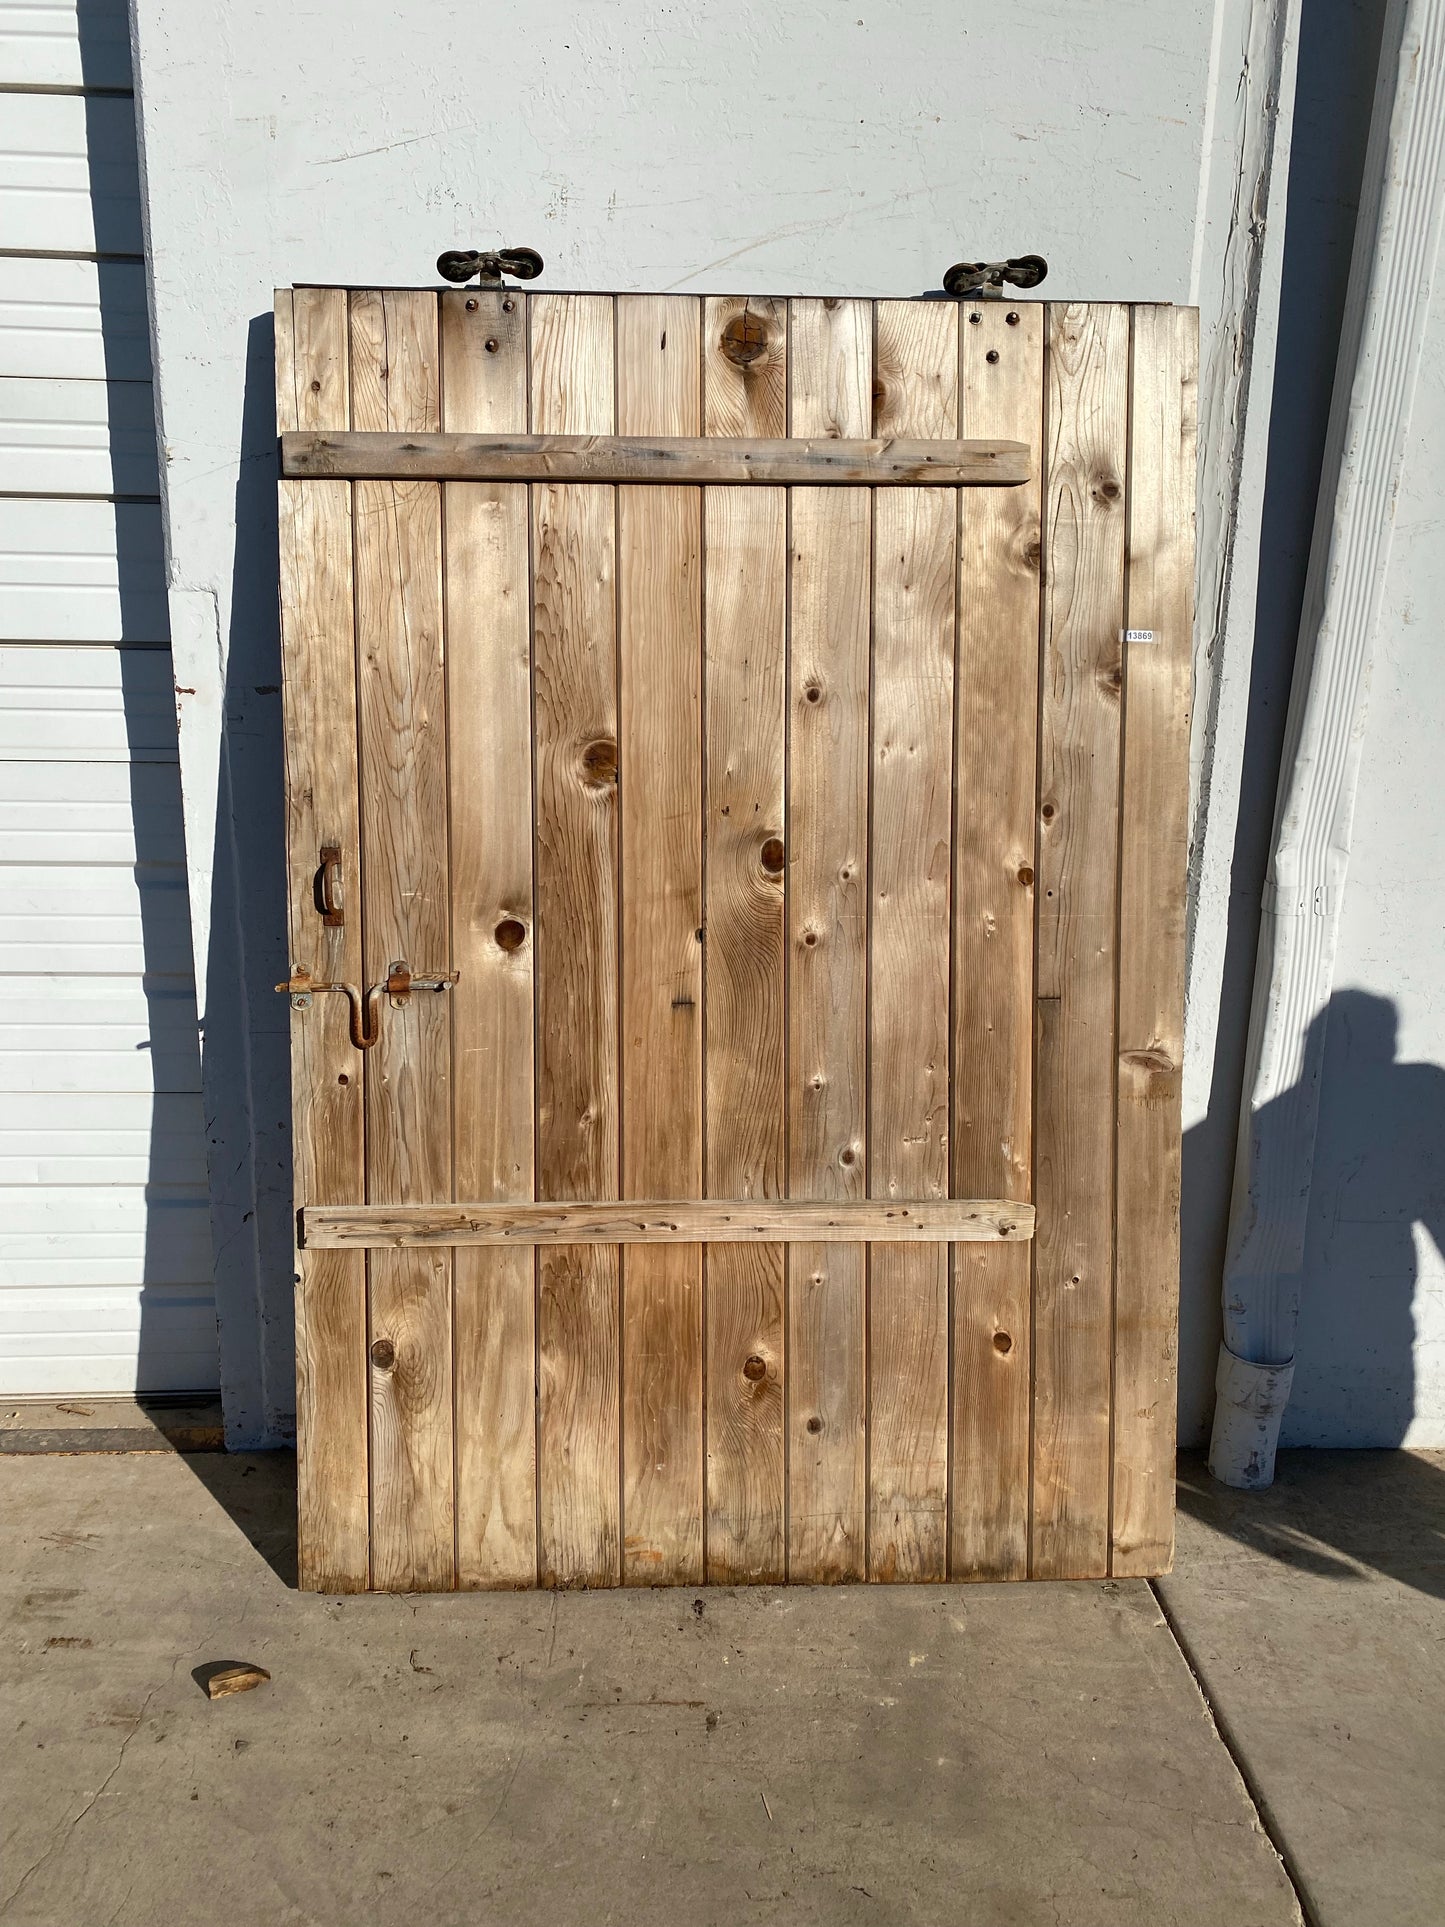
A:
(985, 280)
(460, 264)
(364, 1007)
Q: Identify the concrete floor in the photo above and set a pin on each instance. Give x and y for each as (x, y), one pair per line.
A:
(987, 1756)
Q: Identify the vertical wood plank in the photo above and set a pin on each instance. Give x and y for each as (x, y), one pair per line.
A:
(1154, 829)
(328, 1133)
(993, 942)
(575, 702)
(489, 705)
(911, 802)
(405, 905)
(1086, 377)
(745, 596)
(830, 376)
(660, 660)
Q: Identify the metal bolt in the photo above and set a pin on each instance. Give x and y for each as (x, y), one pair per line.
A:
(492, 344)
(508, 306)
(472, 305)
(1012, 319)
(992, 355)
(975, 318)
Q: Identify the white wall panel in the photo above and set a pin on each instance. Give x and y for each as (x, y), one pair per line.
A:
(95, 1340)
(65, 437)
(81, 572)
(106, 1256)
(105, 1245)
(73, 320)
(68, 175)
(42, 44)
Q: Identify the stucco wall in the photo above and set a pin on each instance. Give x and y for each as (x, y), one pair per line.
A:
(1371, 1351)
(817, 148)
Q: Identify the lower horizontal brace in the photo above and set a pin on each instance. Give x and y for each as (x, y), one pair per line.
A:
(676, 1222)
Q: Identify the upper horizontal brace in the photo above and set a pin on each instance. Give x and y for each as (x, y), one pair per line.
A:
(895, 462)
(672, 1221)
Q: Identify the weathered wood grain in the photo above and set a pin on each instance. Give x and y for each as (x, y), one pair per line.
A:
(402, 717)
(489, 705)
(402, 737)
(1087, 366)
(813, 881)
(830, 376)
(659, 569)
(745, 366)
(1154, 831)
(322, 810)
(745, 591)
(911, 809)
(993, 943)
(655, 457)
(673, 1221)
(575, 705)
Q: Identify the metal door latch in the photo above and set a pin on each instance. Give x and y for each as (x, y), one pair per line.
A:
(460, 264)
(985, 280)
(364, 1007)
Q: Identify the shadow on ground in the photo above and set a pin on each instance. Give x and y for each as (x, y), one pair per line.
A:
(1337, 1515)
(258, 1491)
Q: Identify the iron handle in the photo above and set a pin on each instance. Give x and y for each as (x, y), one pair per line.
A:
(329, 891)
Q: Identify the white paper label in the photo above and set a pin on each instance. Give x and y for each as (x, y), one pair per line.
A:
(1136, 635)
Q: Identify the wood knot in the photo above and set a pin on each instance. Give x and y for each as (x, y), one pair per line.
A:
(772, 855)
(511, 934)
(383, 1354)
(1003, 1343)
(599, 762)
(813, 693)
(745, 339)
(1026, 875)
(815, 1424)
(754, 1369)
(1048, 812)
(1106, 489)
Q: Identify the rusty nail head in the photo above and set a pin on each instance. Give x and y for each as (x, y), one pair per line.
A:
(472, 305)
(492, 344)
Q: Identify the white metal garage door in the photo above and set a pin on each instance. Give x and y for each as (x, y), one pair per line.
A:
(105, 1251)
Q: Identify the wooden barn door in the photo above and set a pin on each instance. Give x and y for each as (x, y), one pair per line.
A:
(748, 1147)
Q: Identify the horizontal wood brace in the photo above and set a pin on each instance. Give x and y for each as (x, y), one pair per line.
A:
(671, 1222)
(895, 462)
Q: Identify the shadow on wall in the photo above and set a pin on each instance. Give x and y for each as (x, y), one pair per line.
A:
(247, 1023)
(176, 1340)
(1378, 1173)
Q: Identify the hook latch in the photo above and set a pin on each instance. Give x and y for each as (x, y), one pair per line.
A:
(364, 1007)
